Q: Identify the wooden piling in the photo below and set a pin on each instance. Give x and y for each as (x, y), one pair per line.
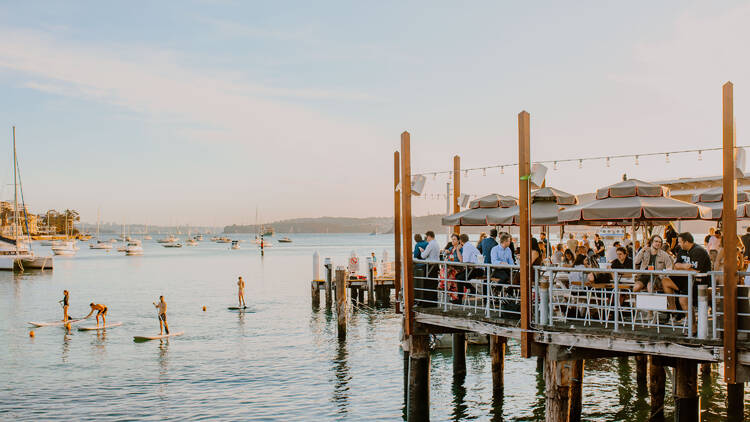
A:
(729, 235)
(456, 189)
(361, 295)
(341, 302)
(576, 391)
(408, 271)
(557, 376)
(315, 292)
(656, 380)
(735, 402)
(418, 399)
(353, 294)
(497, 354)
(641, 371)
(371, 283)
(328, 282)
(396, 229)
(524, 203)
(686, 401)
(459, 354)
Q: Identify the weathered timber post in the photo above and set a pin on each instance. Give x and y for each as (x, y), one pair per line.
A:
(315, 291)
(686, 401)
(370, 283)
(459, 354)
(418, 400)
(576, 391)
(406, 236)
(736, 401)
(361, 298)
(328, 284)
(524, 203)
(353, 294)
(656, 379)
(456, 189)
(497, 353)
(641, 371)
(557, 376)
(341, 301)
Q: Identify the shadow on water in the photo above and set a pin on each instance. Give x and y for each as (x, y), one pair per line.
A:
(341, 385)
(459, 396)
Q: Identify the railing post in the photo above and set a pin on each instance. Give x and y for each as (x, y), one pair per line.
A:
(551, 303)
(487, 291)
(445, 286)
(690, 306)
(714, 315)
(543, 303)
(616, 299)
(702, 312)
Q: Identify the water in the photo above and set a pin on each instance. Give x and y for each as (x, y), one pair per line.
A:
(281, 362)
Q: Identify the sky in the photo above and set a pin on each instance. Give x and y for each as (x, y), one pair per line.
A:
(201, 112)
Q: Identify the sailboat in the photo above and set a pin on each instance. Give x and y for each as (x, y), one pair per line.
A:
(146, 236)
(65, 247)
(15, 254)
(99, 243)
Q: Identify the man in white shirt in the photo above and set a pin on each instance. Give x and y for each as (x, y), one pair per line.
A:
(469, 254)
(431, 253)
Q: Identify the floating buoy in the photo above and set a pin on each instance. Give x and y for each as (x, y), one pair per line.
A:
(204, 309)
(31, 333)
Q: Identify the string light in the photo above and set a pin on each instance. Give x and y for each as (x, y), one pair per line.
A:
(607, 161)
(434, 176)
(700, 155)
(580, 164)
(636, 160)
(502, 169)
(484, 171)
(466, 173)
(555, 168)
(666, 158)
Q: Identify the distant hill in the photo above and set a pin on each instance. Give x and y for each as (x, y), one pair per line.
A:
(342, 225)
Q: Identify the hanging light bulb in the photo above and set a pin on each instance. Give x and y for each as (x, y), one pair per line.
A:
(666, 157)
(434, 176)
(636, 160)
(484, 171)
(502, 169)
(555, 167)
(466, 173)
(607, 161)
(700, 155)
(580, 164)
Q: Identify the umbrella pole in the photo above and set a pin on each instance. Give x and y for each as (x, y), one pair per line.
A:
(632, 231)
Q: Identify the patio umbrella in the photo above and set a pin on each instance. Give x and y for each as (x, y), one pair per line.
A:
(476, 214)
(713, 199)
(633, 200)
(546, 204)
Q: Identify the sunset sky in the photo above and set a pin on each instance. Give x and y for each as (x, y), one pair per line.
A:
(199, 112)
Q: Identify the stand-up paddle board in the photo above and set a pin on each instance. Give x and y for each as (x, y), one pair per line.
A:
(54, 323)
(246, 309)
(147, 338)
(99, 327)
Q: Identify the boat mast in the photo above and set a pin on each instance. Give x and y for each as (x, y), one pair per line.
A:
(15, 191)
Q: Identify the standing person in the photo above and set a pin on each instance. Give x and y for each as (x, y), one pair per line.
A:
(557, 257)
(707, 239)
(690, 257)
(65, 303)
(670, 238)
(240, 293)
(482, 236)
(487, 245)
(585, 243)
(599, 248)
(100, 310)
(419, 244)
(746, 242)
(572, 243)
(544, 244)
(714, 243)
(162, 307)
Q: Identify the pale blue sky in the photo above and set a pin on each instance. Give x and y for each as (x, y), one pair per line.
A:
(197, 112)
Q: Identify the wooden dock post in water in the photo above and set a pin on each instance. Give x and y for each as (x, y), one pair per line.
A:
(656, 379)
(396, 230)
(459, 354)
(557, 375)
(418, 399)
(497, 354)
(315, 291)
(641, 371)
(341, 301)
(408, 278)
(371, 283)
(329, 281)
(576, 390)
(524, 171)
(686, 401)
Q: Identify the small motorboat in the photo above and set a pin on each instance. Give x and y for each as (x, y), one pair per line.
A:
(64, 248)
(134, 248)
(100, 244)
(191, 242)
(285, 240)
(172, 245)
(235, 244)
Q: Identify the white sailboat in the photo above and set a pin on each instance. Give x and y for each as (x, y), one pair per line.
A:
(65, 247)
(99, 243)
(134, 248)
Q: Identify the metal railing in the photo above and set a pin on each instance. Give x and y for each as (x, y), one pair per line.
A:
(743, 303)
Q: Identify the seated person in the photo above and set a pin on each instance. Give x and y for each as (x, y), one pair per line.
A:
(597, 277)
(568, 259)
(652, 257)
(577, 276)
(557, 256)
(502, 254)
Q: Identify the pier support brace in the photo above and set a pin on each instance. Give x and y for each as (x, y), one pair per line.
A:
(641, 371)
(315, 291)
(418, 400)
(497, 353)
(656, 379)
(459, 355)
(735, 401)
(686, 401)
(341, 302)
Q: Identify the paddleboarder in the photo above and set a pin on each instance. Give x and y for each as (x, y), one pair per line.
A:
(162, 307)
(100, 310)
(241, 292)
(65, 302)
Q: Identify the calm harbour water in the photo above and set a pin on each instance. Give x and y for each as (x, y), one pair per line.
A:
(281, 362)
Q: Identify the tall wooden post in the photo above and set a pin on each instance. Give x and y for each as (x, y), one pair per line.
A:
(456, 188)
(687, 405)
(524, 170)
(418, 397)
(341, 302)
(497, 353)
(656, 380)
(576, 390)
(397, 228)
(557, 375)
(406, 234)
(459, 354)
(641, 370)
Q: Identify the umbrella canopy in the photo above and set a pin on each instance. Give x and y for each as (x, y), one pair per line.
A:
(633, 200)
(546, 203)
(476, 214)
(713, 199)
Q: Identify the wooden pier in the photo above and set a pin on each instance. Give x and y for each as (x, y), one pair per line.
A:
(565, 328)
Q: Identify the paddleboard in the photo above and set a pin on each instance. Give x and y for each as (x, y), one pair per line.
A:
(147, 338)
(100, 327)
(246, 309)
(54, 323)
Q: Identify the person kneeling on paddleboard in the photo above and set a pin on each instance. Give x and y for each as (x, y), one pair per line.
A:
(162, 307)
(241, 293)
(65, 302)
(100, 310)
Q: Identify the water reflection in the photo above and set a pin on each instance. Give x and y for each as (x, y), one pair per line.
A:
(66, 346)
(341, 384)
(459, 395)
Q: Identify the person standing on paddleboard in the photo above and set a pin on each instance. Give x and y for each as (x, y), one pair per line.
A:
(241, 292)
(100, 310)
(65, 302)
(162, 307)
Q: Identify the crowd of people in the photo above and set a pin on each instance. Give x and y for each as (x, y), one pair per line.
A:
(670, 251)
